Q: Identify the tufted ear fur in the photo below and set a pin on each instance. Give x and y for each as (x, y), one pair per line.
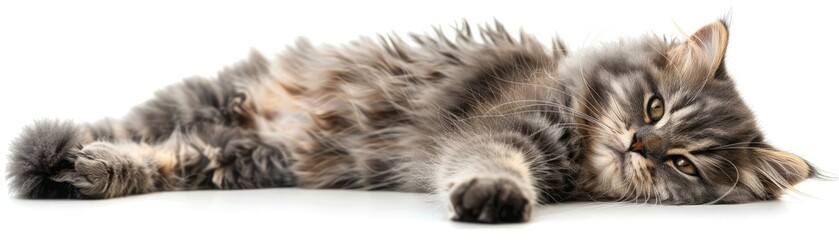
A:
(771, 171)
(702, 52)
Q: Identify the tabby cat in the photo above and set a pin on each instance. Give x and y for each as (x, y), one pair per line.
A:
(492, 124)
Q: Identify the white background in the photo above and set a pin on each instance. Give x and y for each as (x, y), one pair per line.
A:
(85, 60)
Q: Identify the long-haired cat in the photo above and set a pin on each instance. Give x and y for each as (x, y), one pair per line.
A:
(492, 124)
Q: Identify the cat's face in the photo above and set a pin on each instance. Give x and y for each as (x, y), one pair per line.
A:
(665, 125)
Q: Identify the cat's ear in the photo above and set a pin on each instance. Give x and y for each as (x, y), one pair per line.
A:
(771, 171)
(703, 51)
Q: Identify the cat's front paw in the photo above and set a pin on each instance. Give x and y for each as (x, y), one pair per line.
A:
(490, 200)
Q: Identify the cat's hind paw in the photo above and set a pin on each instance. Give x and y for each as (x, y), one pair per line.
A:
(103, 170)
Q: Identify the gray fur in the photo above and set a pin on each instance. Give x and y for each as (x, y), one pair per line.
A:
(103, 170)
(43, 150)
(492, 124)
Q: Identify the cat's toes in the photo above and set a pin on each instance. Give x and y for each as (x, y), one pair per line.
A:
(101, 170)
(490, 200)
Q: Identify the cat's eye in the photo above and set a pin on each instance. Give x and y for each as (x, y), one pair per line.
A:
(655, 109)
(684, 165)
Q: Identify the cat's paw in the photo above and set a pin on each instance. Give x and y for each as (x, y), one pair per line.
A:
(102, 170)
(490, 200)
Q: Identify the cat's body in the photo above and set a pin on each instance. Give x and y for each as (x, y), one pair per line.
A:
(493, 126)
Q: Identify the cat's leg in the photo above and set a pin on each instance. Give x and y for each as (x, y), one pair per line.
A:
(196, 134)
(54, 159)
(107, 170)
(219, 157)
(203, 157)
(486, 179)
(59, 160)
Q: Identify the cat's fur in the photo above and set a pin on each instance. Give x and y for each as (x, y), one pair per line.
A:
(492, 124)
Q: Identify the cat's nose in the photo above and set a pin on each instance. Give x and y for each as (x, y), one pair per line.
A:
(648, 144)
(637, 145)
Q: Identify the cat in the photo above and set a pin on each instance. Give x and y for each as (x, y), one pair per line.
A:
(492, 124)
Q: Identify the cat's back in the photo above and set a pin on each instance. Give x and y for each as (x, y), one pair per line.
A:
(391, 80)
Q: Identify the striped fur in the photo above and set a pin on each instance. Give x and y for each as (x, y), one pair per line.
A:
(491, 123)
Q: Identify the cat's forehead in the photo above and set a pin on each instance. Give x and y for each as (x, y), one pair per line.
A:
(637, 51)
(627, 61)
(699, 108)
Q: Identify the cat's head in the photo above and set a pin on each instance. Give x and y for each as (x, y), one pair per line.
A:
(664, 123)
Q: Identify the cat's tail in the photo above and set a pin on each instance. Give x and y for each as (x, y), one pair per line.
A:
(37, 157)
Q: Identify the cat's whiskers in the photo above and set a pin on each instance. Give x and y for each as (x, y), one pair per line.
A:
(594, 93)
(656, 195)
(733, 185)
(578, 95)
(709, 77)
(575, 125)
(620, 115)
(623, 190)
(542, 103)
(741, 145)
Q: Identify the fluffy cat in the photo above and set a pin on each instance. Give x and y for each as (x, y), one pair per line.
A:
(492, 124)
